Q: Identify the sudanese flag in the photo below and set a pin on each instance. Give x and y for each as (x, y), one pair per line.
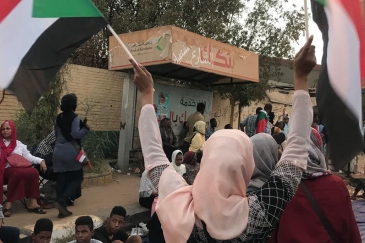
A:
(36, 39)
(342, 76)
(261, 122)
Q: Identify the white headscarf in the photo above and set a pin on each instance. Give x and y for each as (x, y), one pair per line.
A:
(179, 169)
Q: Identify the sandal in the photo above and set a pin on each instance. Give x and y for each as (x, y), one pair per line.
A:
(38, 210)
(48, 206)
(6, 212)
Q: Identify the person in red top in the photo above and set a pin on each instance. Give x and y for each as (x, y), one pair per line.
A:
(300, 223)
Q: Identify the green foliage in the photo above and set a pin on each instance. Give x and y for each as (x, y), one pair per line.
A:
(266, 27)
(100, 145)
(211, 18)
(31, 129)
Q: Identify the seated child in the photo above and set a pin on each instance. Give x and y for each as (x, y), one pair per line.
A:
(42, 232)
(112, 231)
(84, 230)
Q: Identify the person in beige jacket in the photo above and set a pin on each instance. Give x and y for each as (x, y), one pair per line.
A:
(199, 137)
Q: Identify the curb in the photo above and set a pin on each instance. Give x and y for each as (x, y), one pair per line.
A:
(63, 228)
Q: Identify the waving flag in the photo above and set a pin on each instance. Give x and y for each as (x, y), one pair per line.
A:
(342, 76)
(37, 37)
(261, 122)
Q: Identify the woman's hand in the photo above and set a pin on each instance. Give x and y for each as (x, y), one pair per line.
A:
(305, 60)
(43, 166)
(144, 82)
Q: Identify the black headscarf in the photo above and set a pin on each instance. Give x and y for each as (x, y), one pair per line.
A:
(279, 137)
(65, 119)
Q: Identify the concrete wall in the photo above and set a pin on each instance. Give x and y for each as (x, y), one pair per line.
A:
(99, 95)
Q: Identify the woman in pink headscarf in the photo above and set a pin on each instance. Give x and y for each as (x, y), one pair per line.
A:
(216, 206)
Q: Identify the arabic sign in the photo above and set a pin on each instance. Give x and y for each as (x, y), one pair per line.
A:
(172, 45)
(180, 103)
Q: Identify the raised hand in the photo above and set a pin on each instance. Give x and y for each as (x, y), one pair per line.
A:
(142, 78)
(305, 60)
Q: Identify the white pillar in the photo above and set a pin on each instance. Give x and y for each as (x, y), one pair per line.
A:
(127, 123)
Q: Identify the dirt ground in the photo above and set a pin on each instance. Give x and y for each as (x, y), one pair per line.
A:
(97, 201)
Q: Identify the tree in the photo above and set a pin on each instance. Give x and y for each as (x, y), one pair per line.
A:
(211, 18)
(266, 27)
(31, 129)
(269, 29)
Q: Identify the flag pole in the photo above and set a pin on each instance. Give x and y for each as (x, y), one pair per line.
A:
(121, 43)
(306, 19)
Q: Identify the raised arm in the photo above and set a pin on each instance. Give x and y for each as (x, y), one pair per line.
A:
(154, 157)
(296, 150)
(267, 204)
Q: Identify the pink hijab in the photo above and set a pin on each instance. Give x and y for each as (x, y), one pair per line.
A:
(218, 196)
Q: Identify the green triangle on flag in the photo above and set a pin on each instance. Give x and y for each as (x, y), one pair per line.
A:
(323, 2)
(64, 8)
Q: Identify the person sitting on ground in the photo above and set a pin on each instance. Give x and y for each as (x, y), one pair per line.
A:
(332, 197)
(45, 151)
(147, 192)
(192, 167)
(42, 232)
(84, 230)
(216, 208)
(177, 159)
(198, 139)
(22, 179)
(8, 234)
(211, 129)
(168, 137)
(183, 133)
(228, 126)
(112, 231)
(249, 124)
(265, 155)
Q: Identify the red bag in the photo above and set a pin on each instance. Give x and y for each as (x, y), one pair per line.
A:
(18, 161)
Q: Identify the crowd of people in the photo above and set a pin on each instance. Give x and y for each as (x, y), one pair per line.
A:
(85, 232)
(263, 183)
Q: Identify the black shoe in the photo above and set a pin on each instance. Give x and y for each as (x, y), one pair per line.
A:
(63, 212)
(70, 202)
(61, 216)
